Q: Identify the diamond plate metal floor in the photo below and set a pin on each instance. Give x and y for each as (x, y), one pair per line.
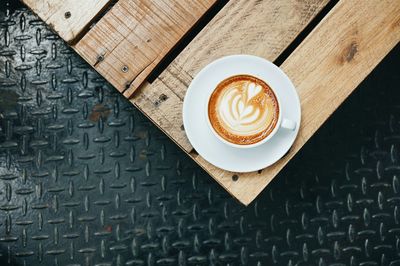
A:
(85, 179)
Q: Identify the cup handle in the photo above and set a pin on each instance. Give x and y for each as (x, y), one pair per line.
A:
(288, 124)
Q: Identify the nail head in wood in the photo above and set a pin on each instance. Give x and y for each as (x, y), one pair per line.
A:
(100, 58)
(163, 97)
(235, 177)
(125, 69)
(67, 15)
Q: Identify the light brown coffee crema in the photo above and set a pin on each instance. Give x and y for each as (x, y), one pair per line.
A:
(243, 109)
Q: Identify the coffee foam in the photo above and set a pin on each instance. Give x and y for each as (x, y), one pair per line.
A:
(243, 109)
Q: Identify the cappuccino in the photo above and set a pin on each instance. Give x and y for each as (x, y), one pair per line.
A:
(243, 110)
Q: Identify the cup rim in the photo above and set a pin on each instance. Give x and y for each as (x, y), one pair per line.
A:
(245, 146)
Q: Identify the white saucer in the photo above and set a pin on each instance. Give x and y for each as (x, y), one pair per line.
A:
(208, 145)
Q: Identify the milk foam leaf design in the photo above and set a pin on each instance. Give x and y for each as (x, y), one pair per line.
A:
(235, 101)
(252, 90)
(250, 119)
(237, 107)
(243, 109)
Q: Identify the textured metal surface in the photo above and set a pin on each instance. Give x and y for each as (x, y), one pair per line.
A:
(85, 179)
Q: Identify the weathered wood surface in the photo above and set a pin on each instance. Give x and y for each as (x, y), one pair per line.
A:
(130, 40)
(329, 64)
(135, 35)
(264, 28)
(67, 17)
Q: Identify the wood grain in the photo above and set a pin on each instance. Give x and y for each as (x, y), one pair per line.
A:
(67, 25)
(135, 35)
(328, 65)
(264, 28)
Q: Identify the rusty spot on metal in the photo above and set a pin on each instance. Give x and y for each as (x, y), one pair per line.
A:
(143, 155)
(109, 228)
(141, 134)
(98, 111)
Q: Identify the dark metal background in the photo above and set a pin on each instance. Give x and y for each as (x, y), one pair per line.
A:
(85, 179)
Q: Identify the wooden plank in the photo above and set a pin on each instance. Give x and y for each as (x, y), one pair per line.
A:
(67, 17)
(135, 35)
(332, 61)
(272, 27)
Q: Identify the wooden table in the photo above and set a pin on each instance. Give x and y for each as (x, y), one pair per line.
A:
(133, 37)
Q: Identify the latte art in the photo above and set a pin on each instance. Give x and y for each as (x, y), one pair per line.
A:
(240, 109)
(243, 109)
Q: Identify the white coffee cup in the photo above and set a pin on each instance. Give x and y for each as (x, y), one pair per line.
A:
(282, 122)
